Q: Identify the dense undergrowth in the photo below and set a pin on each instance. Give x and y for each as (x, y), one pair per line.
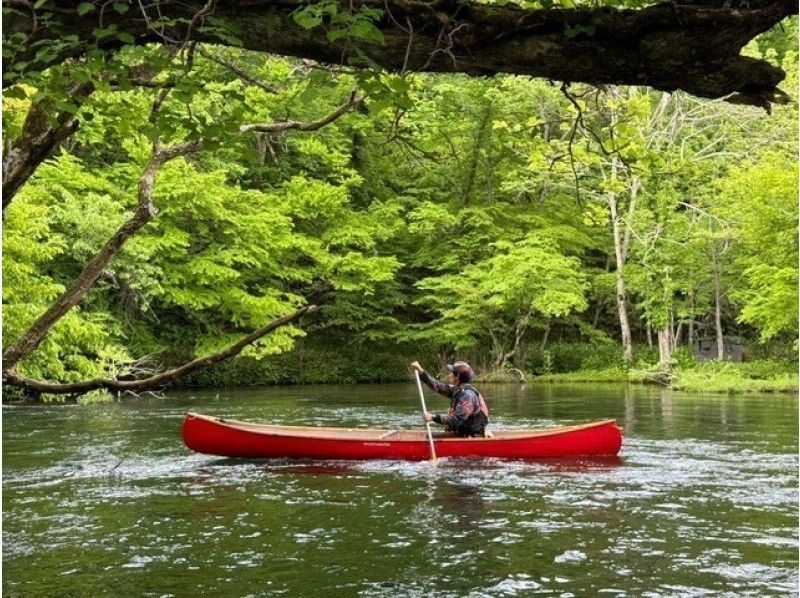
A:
(562, 362)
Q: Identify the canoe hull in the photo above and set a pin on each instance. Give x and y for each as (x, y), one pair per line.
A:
(216, 437)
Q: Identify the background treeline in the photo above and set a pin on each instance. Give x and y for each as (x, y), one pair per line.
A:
(508, 221)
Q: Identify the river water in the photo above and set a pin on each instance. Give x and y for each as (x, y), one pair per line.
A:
(106, 500)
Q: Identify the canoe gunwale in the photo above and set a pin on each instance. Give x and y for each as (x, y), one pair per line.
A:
(379, 435)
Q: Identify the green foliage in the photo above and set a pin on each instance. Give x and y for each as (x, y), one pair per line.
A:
(358, 25)
(219, 260)
(562, 357)
(315, 363)
(489, 299)
(448, 215)
(761, 202)
(710, 376)
(83, 344)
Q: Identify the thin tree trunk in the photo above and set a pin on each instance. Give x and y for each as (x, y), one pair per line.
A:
(619, 253)
(498, 352)
(545, 336)
(636, 184)
(665, 349)
(92, 271)
(600, 301)
(718, 315)
(519, 333)
(41, 134)
(476, 153)
(598, 308)
(649, 336)
(676, 338)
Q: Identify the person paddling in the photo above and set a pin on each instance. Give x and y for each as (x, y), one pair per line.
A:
(468, 414)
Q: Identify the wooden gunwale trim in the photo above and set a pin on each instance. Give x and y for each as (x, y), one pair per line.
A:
(372, 434)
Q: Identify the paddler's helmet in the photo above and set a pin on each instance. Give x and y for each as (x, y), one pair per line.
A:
(462, 370)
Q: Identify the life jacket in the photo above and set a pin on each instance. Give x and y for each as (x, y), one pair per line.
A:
(475, 424)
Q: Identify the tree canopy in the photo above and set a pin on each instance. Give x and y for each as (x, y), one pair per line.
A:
(171, 204)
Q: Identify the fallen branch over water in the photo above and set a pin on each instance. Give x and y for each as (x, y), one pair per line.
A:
(159, 380)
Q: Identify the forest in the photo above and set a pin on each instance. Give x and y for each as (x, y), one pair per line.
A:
(535, 228)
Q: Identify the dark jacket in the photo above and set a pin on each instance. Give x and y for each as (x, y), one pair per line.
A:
(468, 414)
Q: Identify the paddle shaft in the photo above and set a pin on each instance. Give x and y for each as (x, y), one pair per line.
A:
(424, 411)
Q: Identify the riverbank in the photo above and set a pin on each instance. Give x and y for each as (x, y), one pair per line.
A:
(565, 363)
(752, 377)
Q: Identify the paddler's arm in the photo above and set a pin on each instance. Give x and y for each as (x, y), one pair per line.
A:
(461, 412)
(432, 383)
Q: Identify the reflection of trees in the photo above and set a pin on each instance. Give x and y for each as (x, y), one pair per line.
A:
(668, 411)
(630, 417)
(465, 501)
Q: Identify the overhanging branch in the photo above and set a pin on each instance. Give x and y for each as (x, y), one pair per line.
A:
(159, 380)
(669, 46)
(145, 211)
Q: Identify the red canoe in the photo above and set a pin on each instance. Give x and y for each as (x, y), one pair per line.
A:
(229, 438)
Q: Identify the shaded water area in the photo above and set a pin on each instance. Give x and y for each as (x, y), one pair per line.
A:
(106, 500)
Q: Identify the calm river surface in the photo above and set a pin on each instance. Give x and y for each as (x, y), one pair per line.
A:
(106, 500)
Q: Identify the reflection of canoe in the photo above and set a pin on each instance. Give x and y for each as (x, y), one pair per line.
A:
(229, 438)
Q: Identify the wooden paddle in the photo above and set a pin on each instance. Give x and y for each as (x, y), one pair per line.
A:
(424, 411)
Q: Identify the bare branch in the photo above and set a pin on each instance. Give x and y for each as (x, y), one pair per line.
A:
(242, 74)
(280, 126)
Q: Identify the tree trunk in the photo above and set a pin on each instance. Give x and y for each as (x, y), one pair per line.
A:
(92, 271)
(665, 349)
(718, 316)
(41, 133)
(678, 45)
(598, 308)
(498, 352)
(619, 253)
(483, 126)
(519, 333)
(546, 334)
(676, 338)
(600, 301)
(649, 336)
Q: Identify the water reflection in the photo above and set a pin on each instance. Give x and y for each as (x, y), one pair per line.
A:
(464, 500)
(668, 411)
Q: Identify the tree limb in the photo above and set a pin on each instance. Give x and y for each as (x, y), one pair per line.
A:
(694, 46)
(241, 73)
(93, 270)
(145, 211)
(41, 134)
(286, 125)
(159, 380)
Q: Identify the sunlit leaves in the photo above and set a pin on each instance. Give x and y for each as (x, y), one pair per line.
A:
(355, 24)
(761, 204)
